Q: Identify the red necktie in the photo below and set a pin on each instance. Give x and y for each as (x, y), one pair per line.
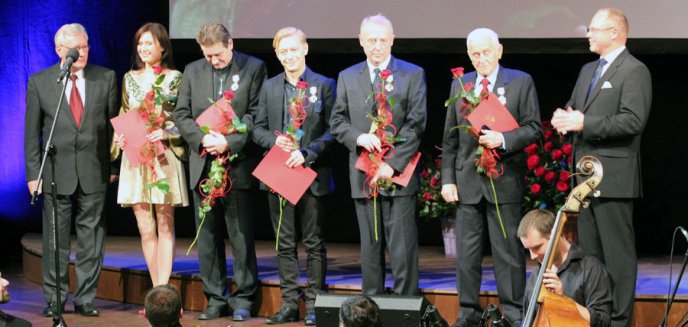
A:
(485, 82)
(75, 102)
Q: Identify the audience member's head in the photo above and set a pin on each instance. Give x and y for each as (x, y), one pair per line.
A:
(359, 311)
(4, 293)
(163, 306)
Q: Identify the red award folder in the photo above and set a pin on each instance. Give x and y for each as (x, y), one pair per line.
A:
(363, 163)
(291, 183)
(217, 117)
(493, 114)
(134, 129)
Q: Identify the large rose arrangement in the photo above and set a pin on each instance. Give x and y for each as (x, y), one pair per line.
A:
(430, 201)
(548, 178)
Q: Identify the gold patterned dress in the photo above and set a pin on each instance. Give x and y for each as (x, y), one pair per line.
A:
(133, 180)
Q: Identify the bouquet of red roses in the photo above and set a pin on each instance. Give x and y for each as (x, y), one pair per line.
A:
(548, 175)
(430, 201)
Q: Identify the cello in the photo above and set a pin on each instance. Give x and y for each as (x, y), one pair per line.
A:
(555, 309)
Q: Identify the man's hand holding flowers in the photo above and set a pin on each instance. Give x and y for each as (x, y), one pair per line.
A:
(369, 142)
(490, 139)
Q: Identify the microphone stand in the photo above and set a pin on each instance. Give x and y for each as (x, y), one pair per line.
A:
(670, 300)
(50, 150)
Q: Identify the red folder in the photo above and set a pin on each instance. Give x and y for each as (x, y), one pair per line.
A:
(134, 129)
(291, 183)
(493, 114)
(363, 163)
(217, 117)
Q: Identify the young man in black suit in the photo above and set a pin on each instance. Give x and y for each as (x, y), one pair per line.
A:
(272, 120)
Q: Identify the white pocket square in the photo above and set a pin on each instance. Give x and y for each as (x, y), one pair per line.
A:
(606, 85)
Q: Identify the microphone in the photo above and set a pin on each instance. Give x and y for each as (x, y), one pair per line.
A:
(70, 58)
(684, 232)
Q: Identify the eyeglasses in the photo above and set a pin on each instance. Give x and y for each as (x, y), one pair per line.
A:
(78, 48)
(383, 42)
(599, 29)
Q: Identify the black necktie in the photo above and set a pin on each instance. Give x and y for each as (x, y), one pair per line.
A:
(598, 73)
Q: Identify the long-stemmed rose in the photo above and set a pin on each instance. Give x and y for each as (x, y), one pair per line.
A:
(297, 111)
(218, 183)
(382, 127)
(487, 159)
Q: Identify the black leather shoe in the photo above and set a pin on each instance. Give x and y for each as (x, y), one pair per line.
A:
(87, 310)
(51, 310)
(213, 312)
(284, 315)
(309, 319)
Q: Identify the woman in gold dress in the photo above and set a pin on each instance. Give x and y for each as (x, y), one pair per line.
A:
(153, 52)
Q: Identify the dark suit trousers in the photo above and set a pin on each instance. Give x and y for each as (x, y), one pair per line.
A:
(605, 230)
(235, 211)
(309, 210)
(90, 241)
(507, 254)
(397, 226)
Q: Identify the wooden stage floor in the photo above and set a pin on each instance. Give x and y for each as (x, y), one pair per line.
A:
(124, 281)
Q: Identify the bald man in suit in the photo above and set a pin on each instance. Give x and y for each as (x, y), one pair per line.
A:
(605, 117)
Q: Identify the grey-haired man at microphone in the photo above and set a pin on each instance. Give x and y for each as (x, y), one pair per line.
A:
(83, 171)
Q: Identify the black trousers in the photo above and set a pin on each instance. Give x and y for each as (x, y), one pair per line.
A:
(507, 254)
(234, 212)
(605, 230)
(90, 244)
(309, 211)
(396, 225)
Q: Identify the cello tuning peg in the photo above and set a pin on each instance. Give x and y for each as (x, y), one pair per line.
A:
(597, 193)
(585, 203)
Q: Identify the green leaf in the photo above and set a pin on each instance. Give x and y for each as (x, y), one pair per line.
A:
(160, 78)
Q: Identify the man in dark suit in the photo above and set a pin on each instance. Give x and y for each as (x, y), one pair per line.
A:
(223, 69)
(608, 110)
(82, 140)
(351, 126)
(474, 192)
(271, 117)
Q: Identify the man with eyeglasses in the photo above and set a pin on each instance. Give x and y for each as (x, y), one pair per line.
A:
(605, 117)
(351, 125)
(82, 140)
(474, 192)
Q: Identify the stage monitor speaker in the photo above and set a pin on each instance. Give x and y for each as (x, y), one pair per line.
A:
(396, 310)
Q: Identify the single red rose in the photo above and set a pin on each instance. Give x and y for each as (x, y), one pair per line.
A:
(562, 186)
(564, 176)
(301, 85)
(427, 196)
(535, 188)
(548, 134)
(438, 162)
(557, 154)
(533, 161)
(540, 171)
(157, 70)
(150, 95)
(424, 173)
(229, 95)
(468, 86)
(531, 149)
(548, 146)
(457, 72)
(434, 182)
(550, 176)
(547, 125)
(385, 73)
(567, 148)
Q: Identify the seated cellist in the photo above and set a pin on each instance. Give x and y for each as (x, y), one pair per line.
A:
(579, 276)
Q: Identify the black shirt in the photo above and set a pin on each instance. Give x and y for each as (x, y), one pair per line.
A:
(586, 281)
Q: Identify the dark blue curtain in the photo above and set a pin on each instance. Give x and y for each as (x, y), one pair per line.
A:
(27, 30)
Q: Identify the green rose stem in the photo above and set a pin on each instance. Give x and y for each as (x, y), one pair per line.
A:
(282, 204)
(499, 215)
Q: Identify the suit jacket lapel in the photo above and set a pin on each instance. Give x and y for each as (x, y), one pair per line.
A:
(613, 68)
(503, 79)
(276, 104)
(206, 85)
(90, 85)
(64, 109)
